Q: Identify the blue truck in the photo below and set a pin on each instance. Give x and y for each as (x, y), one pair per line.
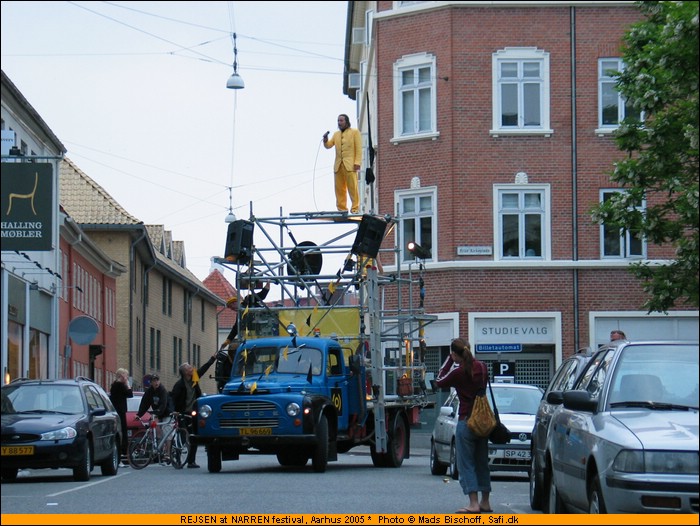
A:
(307, 397)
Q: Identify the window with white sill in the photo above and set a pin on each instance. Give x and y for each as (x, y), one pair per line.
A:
(520, 91)
(613, 108)
(414, 96)
(417, 221)
(618, 242)
(523, 222)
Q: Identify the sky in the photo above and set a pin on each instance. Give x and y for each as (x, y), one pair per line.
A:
(136, 92)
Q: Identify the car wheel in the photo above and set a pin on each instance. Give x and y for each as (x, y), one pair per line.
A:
(9, 474)
(535, 485)
(554, 502)
(596, 504)
(110, 465)
(213, 459)
(81, 473)
(454, 472)
(319, 459)
(436, 467)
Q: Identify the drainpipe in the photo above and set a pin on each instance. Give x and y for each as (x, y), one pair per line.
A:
(574, 178)
(144, 315)
(132, 280)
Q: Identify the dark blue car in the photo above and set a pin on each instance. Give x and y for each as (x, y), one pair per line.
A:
(68, 423)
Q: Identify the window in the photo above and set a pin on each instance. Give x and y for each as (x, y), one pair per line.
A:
(521, 91)
(167, 302)
(617, 242)
(612, 107)
(414, 96)
(417, 220)
(523, 221)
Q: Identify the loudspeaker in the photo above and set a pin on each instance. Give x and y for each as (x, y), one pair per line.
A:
(369, 236)
(239, 242)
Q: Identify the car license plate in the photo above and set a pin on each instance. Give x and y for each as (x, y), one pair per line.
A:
(11, 451)
(255, 431)
(517, 453)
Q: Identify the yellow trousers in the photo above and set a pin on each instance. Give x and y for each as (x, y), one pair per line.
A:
(346, 182)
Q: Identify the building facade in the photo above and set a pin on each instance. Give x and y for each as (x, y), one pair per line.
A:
(493, 127)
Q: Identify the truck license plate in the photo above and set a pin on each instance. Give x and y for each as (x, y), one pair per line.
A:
(11, 451)
(256, 431)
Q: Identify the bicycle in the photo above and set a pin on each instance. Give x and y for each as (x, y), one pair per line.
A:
(146, 448)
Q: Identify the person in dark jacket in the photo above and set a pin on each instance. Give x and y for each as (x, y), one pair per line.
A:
(155, 399)
(118, 393)
(184, 394)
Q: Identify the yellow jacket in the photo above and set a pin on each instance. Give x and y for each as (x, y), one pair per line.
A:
(348, 148)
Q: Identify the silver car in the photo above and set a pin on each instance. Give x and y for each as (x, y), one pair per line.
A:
(625, 439)
(517, 405)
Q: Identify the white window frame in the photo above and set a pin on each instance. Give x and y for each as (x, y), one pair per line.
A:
(520, 55)
(546, 228)
(625, 240)
(416, 193)
(414, 62)
(604, 79)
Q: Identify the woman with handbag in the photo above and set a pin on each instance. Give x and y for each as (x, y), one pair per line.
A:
(468, 376)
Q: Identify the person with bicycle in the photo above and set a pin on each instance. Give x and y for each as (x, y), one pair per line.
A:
(156, 400)
(184, 394)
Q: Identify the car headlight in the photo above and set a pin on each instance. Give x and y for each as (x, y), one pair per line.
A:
(293, 409)
(205, 411)
(683, 462)
(60, 434)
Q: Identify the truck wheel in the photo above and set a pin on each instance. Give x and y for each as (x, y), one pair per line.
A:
(295, 459)
(319, 460)
(213, 459)
(398, 443)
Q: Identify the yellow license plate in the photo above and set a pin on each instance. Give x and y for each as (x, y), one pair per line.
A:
(256, 431)
(11, 451)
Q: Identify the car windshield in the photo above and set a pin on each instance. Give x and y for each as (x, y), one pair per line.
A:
(656, 375)
(42, 398)
(515, 400)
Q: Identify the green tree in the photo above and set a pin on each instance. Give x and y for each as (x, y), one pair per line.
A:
(660, 78)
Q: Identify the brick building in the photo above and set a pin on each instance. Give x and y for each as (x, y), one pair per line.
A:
(493, 125)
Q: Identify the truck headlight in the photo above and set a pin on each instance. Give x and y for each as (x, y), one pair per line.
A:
(205, 411)
(293, 409)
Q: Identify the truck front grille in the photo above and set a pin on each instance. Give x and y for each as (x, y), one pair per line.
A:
(249, 413)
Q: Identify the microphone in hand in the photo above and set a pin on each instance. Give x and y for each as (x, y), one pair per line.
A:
(325, 136)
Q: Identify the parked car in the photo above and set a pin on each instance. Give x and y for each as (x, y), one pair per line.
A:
(133, 426)
(625, 439)
(67, 423)
(516, 404)
(564, 379)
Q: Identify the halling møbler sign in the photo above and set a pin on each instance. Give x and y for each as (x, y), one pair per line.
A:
(25, 217)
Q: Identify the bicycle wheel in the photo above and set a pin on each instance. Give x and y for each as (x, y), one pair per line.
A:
(179, 448)
(140, 450)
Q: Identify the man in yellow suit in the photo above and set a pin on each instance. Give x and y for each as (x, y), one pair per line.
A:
(348, 158)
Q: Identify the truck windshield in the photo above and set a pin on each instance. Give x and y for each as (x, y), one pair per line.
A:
(255, 360)
(298, 360)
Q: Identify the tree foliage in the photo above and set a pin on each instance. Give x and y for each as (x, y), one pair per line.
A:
(660, 78)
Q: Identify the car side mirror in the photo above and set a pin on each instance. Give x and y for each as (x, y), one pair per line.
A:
(555, 397)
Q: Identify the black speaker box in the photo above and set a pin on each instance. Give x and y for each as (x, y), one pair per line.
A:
(369, 236)
(239, 242)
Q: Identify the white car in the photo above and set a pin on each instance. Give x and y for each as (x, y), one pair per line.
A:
(517, 406)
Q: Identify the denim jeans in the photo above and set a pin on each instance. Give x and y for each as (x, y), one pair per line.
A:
(472, 460)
